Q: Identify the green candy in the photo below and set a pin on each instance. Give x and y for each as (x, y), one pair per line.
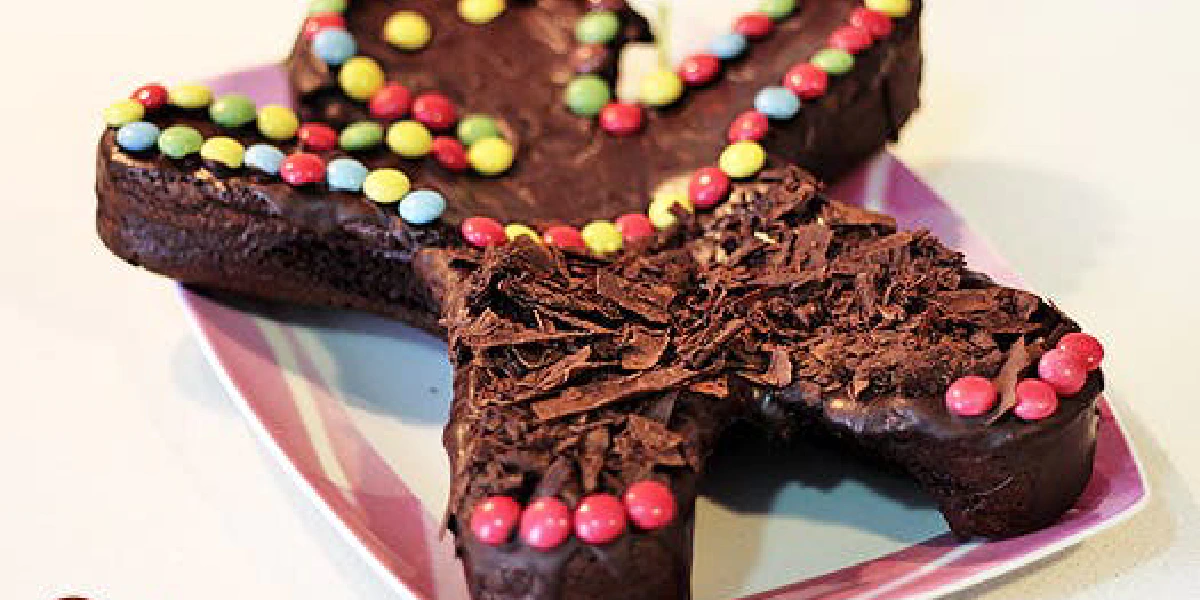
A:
(233, 110)
(179, 141)
(777, 9)
(597, 27)
(834, 62)
(361, 136)
(477, 127)
(316, 7)
(587, 94)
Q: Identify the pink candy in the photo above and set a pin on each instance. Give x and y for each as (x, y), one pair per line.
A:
(599, 519)
(634, 226)
(1063, 371)
(650, 504)
(806, 81)
(1036, 400)
(435, 111)
(482, 232)
(851, 39)
(708, 187)
(971, 396)
(750, 126)
(1085, 348)
(546, 524)
(494, 520)
(562, 236)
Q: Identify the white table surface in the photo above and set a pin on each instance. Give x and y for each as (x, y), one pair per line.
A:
(1063, 130)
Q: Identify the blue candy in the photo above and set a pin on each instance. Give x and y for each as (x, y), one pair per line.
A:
(346, 175)
(777, 103)
(422, 207)
(334, 46)
(138, 136)
(264, 158)
(728, 45)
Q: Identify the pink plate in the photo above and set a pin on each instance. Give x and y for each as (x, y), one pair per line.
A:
(352, 406)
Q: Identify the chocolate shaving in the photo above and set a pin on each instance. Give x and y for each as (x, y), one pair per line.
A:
(602, 393)
(1006, 382)
(643, 348)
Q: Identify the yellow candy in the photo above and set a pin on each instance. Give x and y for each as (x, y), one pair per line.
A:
(517, 230)
(191, 95)
(409, 139)
(602, 237)
(226, 151)
(386, 186)
(661, 88)
(407, 30)
(361, 77)
(278, 122)
(891, 8)
(742, 159)
(124, 112)
(660, 208)
(491, 156)
(479, 12)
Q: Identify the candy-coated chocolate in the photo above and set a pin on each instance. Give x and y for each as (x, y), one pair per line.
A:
(224, 151)
(586, 95)
(153, 96)
(545, 524)
(302, 168)
(621, 118)
(1063, 371)
(777, 102)
(563, 236)
(317, 23)
(806, 81)
(851, 39)
(480, 12)
(407, 30)
(599, 519)
(265, 158)
(873, 22)
(277, 122)
(891, 8)
(334, 46)
(517, 230)
(421, 207)
(435, 111)
(728, 46)
(833, 61)
(602, 237)
(634, 226)
(740, 160)
(390, 103)
(233, 110)
(179, 141)
(708, 187)
(971, 396)
(361, 77)
(191, 95)
(138, 136)
(482, 232)
(386, 186)
(663, 206)
(317, 7)
(750, 126)
(777, 9)
(1085, 348)
(650, 505)
(1036, 400)
(753, 25)
(597, 27)
(360, 136)
(494, 520)
(473, 128)
(346, 175)
(409, 139)
(661, 88)
(317, 137)
(450, 153)
(124, 112)
(700, 69)
(491, 156)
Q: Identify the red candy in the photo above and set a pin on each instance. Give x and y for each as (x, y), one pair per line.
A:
(546, 523)
(482, 232)
(562, 236)
(318, 23)
(317, 137)
(1085, 348)
(302, 169)
(851, 39)
(1063, 371)
(152, 96)
(873, 22)
(435, 111)
(806, 81)
(599, 519)
(699, 69)
(634, 226)
(390, 103)
(971, 396)
(750, 126)
(494, 520)
(1036, 400)
(753, 25)
(708, 187)
(450, 153)
(619, 118)
(650, 505)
